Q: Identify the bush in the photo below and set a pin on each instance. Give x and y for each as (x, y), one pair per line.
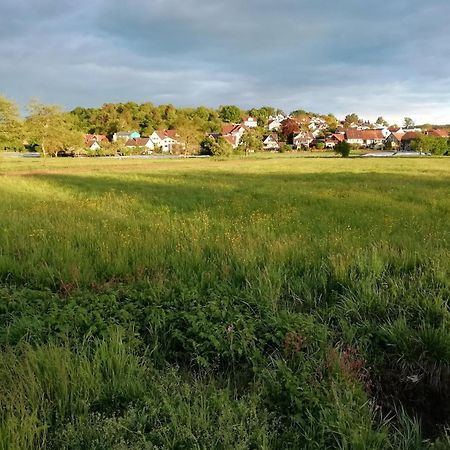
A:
(343, 148)
(320, 145)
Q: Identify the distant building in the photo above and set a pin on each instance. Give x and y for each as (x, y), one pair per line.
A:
(303, 139)
(364, 138)
(125, 135)
(270, 142)
(249, 122)
(166, 140)
(146, 143)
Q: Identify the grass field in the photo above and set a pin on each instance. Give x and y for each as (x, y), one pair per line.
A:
(265, 303)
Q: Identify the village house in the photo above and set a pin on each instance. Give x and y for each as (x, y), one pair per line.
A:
(395, 139)
(270, 142)
(93, 141)
(303, 139)
(365, 138)
(233, 133)
(165, 140)
(407, 139)
(145, 143)
(437, 133)
(249, 122)
(125, 135)
(332, 140)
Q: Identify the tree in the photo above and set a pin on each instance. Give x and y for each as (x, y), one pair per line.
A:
(350, 119)
(408, 122)
(251, 141)
(430, 144)
(288, 128)
(230, 114)
(343, 148)
(381, 121)
(11, 126)
(52, 129)
(215, 147)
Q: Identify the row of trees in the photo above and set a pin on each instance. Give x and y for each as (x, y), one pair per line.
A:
(45, 126)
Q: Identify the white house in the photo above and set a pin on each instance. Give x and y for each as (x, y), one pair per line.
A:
(233, 133)
(165, 140)
(303, 139)
(270, 142)
(365, 138)
(250, 122)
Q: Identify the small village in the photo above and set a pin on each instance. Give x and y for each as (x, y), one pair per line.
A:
(281, 133)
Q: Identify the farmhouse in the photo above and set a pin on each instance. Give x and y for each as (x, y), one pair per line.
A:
(233, 133)
(364, 138)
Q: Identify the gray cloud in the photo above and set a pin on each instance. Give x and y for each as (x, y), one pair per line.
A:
(320, 55)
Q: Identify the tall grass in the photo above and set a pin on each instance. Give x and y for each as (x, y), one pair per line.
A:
(267, 303)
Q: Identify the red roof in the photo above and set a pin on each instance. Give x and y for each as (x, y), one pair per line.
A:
(438, 133)
(95, 137)
(231, 128)
(410, 135)
(137, 142)
(230, 139)
(365, 135)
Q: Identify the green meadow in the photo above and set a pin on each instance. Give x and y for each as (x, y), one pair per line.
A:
(254, 303)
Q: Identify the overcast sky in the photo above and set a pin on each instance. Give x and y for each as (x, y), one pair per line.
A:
(389, 58)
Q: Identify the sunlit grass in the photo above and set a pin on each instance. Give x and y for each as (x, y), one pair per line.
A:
(247, 281)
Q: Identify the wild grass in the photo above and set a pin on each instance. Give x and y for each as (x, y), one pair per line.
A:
(251, 303)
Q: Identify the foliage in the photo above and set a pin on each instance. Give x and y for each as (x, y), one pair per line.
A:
(381, 121)
(51, 129)
(430, 144)
(320, 145)
(343, 148)
(11, 126)
(215, 147)
(408, 122)
(230, 114)
(251, 141)
(351, 118)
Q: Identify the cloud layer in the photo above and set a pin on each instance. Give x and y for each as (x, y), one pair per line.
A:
(340, 57)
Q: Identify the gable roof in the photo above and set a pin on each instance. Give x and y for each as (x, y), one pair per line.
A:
(438, 133)
(137, 142)
(171, 134)
(365, 135)
(232, 128)
(95, 137)
(409, 136)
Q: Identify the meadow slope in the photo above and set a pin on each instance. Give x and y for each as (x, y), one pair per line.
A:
(270, 303)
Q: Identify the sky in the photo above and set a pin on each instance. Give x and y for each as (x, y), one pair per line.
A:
(389, 58)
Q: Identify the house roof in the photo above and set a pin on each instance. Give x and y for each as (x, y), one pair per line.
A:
(271, 137)
(304, 135)
(232, 128)
(365, 135)
(398, 135)
(95, 137)
(409, 136)
(230, 139)
(172, 134)
(338, 137)
(91, 142)
(438, 133)
(137, 142)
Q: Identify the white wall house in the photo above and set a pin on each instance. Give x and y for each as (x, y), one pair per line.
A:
(250, 122)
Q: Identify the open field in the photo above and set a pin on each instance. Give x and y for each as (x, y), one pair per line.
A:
(269, 303)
